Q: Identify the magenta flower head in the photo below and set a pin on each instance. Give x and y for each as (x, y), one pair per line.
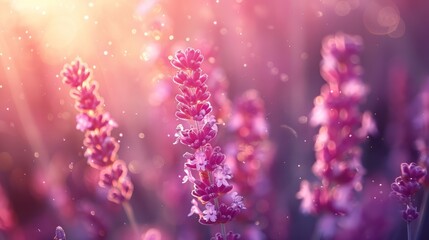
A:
(342, 128)
(211, 186)
(96, 123)
(406, 186)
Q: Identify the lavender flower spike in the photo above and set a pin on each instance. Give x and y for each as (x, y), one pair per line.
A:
(342, 129)
(211, 188)
(96, 123)
(406, 186)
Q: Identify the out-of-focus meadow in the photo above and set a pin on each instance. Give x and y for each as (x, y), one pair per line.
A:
(271, 47)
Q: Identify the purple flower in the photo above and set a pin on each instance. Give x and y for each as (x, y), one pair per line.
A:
(190, 59)
(59, 234)
(87, 98)
(229, 236)
(406, 186)
(210, 214)
(193, 106)
(75, 74)
(96, 123)
(343, 127)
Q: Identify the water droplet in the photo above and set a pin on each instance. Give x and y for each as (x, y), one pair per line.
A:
(71, 165)
(141, 135)
(36, 154)
(92, 213)
(133, 31)
(86, 17)
(105, 52)
(171, 37)
(121, 134)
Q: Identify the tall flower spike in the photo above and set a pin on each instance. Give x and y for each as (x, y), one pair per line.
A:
(212, 188)
(251, 154)
(342, 128)
(96, 123)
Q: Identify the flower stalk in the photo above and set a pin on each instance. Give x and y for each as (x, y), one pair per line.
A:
(205, 165)
(342, 128)
(97, 125)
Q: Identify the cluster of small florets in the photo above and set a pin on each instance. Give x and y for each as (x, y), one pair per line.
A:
(406, 186)
(211, 188)
(251, 152)
(343, 128)
(101, 147)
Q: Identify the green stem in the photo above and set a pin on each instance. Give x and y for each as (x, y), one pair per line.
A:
(422, 215)
(131, 218)
(223, 230)
(409, 230)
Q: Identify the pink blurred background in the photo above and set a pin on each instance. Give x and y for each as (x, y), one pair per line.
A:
(271, 46)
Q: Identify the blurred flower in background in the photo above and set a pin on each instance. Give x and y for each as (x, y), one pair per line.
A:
(272, 47)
